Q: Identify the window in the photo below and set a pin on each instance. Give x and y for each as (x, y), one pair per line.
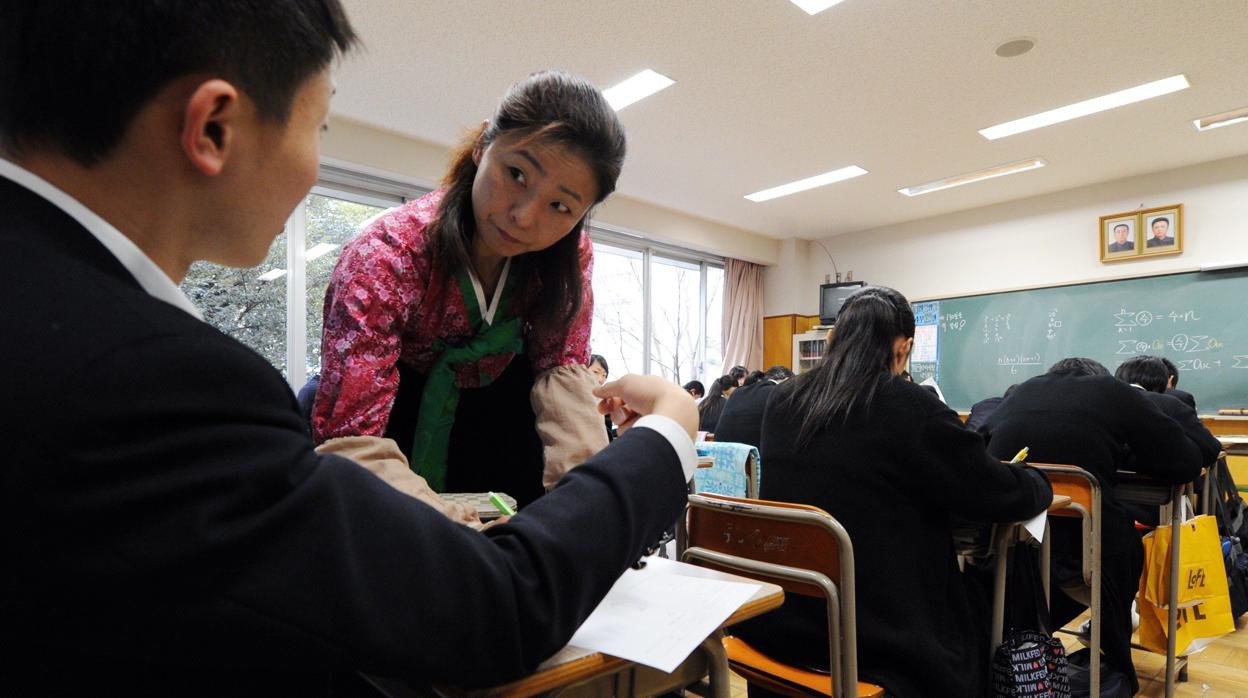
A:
(276, 308)
(656, 309)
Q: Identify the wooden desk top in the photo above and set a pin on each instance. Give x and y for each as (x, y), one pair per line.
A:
(1059, 502)
(574, 665)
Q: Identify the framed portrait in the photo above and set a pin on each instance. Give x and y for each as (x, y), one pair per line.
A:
(1162, 230)
(1120, 236)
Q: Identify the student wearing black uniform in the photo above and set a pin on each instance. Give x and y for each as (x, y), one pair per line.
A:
(1150, 373)
(892, 464)
(1080, 415)
(1172, 384)
(742, 418)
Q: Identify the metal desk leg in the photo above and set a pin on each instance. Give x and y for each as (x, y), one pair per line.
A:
(717, 665)
(1001, 544)
(1044, 565)
(1172, 614)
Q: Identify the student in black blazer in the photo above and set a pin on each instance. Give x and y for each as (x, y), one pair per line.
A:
(168, 528)
(741, 420)
(892, 464)
(1080, 415)
(1172, 383)
(713, 404)
(1150, 374)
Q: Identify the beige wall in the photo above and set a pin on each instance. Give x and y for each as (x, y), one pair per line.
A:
(423, 163)
(1042, 241)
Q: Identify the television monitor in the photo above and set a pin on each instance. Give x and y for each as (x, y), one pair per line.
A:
(832, 297)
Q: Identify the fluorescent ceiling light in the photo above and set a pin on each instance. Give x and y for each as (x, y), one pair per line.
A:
(1130, 95)
(808, 183)
(814, 7)
(319, 250)
(1226, 118)
(271, 275)
(638, 87)
(959, 180)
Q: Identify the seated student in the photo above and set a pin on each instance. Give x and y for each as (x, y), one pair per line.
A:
(1078, 414)
(892, 464)
(982, 410)
(169, 529)
(598, 367)
(1172, 383)
(713, 404)
(738, 374)
(1150, 374)
(742, 418)
(695, 389)
(754, 377)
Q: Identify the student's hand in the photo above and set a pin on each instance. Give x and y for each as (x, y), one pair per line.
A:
(633, 396)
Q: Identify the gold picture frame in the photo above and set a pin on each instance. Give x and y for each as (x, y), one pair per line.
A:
(1120, 236)
(1165, 224)
(1150, 232)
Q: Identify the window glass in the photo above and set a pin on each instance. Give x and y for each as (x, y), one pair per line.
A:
(714, 367)
(676, 319)
(618, 328)
(331, 222)
(247, 304)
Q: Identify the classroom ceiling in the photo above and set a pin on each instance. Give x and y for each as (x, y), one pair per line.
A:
(766, 94)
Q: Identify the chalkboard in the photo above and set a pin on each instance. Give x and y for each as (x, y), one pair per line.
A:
(977, 346)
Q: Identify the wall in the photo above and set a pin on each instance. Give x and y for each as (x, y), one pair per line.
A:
(388, 152)
(1042, 241)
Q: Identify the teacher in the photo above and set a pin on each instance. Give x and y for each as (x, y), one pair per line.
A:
(458, 323)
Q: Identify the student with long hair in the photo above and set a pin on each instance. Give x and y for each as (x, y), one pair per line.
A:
(713, 404)
(467, 312)
(892, 464)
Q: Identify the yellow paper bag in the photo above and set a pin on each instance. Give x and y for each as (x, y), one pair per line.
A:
(1198, 626)
(1202, 573)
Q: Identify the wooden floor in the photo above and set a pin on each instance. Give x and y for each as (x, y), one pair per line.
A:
(1220, 671)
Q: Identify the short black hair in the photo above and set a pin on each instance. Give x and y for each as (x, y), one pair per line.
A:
(1172, 371)
(1148, 372)
(754, 377)
(695, 387)
(737, 373)
(1158, 219)
(1078, 366)
(601, 361)
(74, 73)
(779, 373)
(1121, 225)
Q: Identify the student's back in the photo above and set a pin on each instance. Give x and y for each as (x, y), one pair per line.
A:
(892, 476)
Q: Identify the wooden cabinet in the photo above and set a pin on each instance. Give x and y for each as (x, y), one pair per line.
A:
(778, 333)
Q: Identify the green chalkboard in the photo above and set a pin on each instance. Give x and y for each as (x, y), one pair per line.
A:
(977, 346)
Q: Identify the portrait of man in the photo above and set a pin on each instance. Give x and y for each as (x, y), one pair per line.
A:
(1159, 232)
(1120, 236)
(1123, 240)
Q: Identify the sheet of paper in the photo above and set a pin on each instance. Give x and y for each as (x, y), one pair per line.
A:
(925, 339)
(658, 615)
(939, 394)
(1035, 526)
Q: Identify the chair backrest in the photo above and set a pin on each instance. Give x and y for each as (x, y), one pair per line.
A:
(799, 547)
(1085, 503)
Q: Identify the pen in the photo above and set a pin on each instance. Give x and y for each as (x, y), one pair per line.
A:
(1022, 456)
(502, 507)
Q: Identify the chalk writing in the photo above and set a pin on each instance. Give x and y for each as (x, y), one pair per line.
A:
(1013, 361)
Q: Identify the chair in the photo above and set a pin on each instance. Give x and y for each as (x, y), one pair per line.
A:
(1085, 504)
(805, 551)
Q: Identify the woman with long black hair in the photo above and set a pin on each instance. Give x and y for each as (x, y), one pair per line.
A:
(892, 463)
(458, 324)
(713, 404)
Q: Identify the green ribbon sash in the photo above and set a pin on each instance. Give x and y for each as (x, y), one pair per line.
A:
(440, 398)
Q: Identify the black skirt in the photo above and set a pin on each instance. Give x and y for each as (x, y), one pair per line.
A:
(494, 445)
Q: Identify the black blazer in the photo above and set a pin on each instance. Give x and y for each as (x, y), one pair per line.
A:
(981, 411)
(708, 413)
(893, 479)
(168, 528)
(1183, 395)
(741, 421)
(1185, 415)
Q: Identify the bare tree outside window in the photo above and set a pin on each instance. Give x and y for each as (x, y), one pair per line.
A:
(618, 312)
(247, 304)
(331, 224)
